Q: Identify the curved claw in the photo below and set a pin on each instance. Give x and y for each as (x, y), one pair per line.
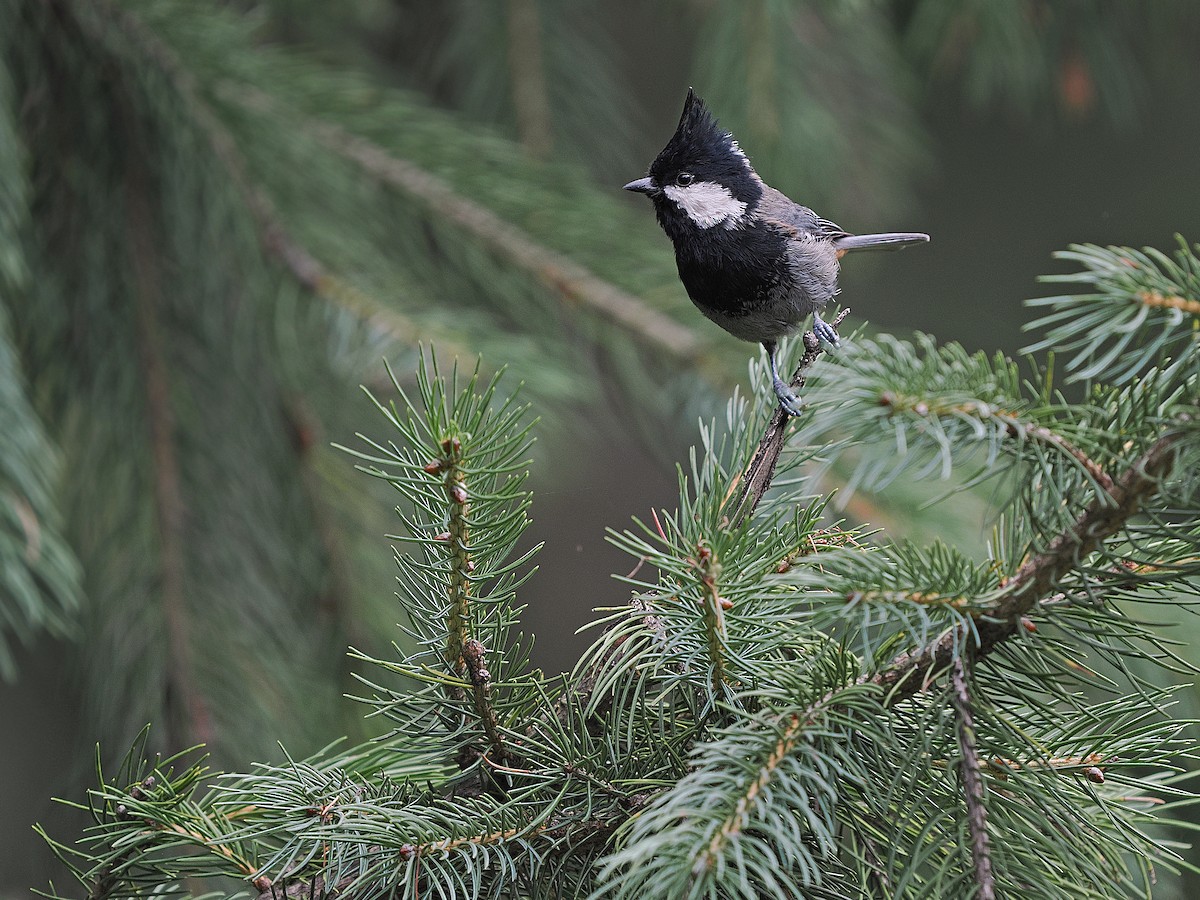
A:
(789, 402)
(824, 332)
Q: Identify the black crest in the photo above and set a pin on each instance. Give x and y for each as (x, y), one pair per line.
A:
(702, 147)
(696, 123)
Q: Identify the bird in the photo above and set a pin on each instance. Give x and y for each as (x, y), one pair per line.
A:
(752, 260)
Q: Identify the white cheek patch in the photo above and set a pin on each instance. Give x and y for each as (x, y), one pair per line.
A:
(707, 204)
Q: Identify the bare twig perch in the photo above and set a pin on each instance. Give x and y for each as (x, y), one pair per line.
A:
(762, 467)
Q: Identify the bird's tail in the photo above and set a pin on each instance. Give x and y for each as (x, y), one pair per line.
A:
(891, 241)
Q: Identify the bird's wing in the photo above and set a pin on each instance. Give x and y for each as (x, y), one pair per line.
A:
(778, 209)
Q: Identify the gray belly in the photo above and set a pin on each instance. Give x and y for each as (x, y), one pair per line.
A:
(778, 316)
(782, 312)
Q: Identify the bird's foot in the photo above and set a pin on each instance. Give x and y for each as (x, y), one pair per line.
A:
(789, 402)
(824, 332)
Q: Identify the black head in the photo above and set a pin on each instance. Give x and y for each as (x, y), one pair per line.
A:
(701, 178)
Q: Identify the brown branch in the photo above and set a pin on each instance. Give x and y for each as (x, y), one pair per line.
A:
(972, 780)
(761, 470)
(1003, 767)
(474, 656)
(1106, 515)
(878, 869)
(465, 656)
(1044, 435)
(107, 879)
(1164, 301)
(457, 540)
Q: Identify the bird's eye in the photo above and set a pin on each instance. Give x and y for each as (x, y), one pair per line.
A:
(683, 179)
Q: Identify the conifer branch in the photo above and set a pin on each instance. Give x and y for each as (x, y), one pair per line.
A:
(715, 605)
(1142, 308)
(1104, 517)
(1107, 514)
(1013, 424)
(574, 832)
(739, 817)
(971, 773)
(460, 465)
(1041, 434)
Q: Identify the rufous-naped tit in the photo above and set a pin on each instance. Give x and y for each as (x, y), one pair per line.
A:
(753, 261)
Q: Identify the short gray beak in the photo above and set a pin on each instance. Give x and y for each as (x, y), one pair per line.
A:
(642, 186)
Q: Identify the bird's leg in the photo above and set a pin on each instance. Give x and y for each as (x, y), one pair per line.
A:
(791, 404)
(823, 331)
